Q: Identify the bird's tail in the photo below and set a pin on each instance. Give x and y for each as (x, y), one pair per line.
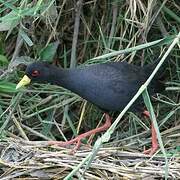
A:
(157, 84)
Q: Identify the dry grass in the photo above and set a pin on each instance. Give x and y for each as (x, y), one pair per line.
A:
(29, 159)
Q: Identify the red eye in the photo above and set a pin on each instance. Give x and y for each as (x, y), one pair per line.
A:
(35, 73)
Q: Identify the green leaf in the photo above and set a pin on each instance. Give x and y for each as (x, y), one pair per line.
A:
(3, 60)
(26, 38)
(48, 52)
(9, 21)
(7, 87)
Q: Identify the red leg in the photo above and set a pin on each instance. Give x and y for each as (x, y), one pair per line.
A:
(78, 139)
(154, 141)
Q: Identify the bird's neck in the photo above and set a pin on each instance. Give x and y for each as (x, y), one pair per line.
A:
(67, 78)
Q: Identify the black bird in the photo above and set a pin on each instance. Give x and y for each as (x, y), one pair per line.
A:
(110, 86)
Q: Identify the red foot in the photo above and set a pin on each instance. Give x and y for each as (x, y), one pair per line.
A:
(152, 150)
(146, 114)
(78, 139)
(154, 141)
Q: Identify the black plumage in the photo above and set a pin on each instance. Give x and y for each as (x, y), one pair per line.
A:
(110, 86)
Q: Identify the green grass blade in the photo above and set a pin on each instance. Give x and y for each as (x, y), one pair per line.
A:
(159, 42)
(149, 106)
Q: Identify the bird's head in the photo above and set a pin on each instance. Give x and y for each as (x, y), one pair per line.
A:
(36, 72)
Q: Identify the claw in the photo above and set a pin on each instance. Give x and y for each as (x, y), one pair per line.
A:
(78, 139)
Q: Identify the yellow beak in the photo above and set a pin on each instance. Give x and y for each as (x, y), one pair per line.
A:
(24, 81)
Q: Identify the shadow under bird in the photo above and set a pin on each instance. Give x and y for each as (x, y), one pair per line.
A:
(110, 86)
